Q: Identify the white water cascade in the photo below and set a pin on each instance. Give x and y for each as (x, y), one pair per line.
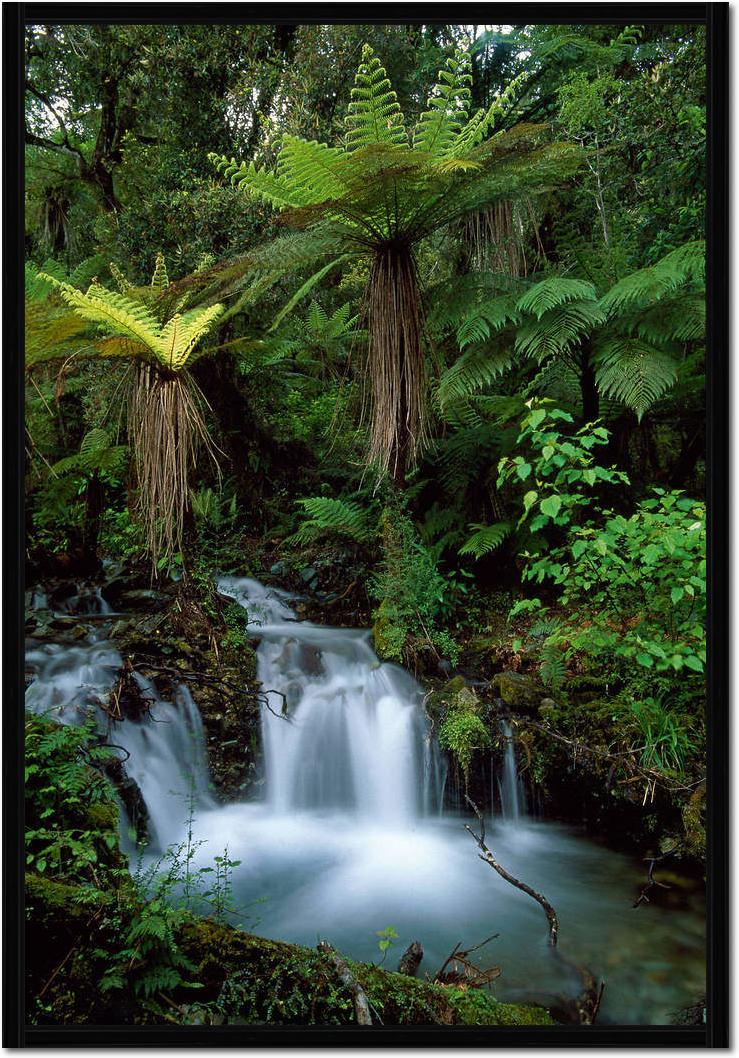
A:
(342, 730)
(511, 788)
(164, 752)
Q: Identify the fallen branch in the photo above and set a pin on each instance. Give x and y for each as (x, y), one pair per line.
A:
(471, 974)
(489, 858)
(361, 1004)
(652, 882)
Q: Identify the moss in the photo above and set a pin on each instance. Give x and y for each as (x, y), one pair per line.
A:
(244, 978)
(516, 690)
(475, 1007)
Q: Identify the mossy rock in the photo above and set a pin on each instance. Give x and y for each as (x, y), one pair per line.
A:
(455, 694)
(517, 690)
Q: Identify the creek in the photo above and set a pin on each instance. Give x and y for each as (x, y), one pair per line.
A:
(351, 834)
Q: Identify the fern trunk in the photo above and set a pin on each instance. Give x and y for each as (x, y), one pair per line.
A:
(396, 360)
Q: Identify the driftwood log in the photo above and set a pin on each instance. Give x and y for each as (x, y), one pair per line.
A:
(347, 978)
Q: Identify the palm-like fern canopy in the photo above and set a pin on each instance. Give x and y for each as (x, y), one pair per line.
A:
(377, 195)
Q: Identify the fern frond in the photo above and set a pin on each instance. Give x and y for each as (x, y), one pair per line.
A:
(448, 104)
(478, 366)
(326, 514)
(311, 168)
(633, 372)
(159, 279)
(487, 317)
(556, 332)
(649, 285)
(485, 539)
(554, 291)
(374, 115)
(123, 314)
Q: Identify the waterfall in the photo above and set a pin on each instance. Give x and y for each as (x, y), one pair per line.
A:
(341, 730)
(166, 749)
(512, 793)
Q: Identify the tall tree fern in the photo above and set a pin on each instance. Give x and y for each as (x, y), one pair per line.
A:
(376, 196)
(166, 421)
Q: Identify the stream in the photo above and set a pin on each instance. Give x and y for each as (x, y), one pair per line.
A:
(351, 836)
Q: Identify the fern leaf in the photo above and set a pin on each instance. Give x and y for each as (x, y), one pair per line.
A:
(325, 514)
(633, 372)
(159, 279)
(440, 125)
(478, 366)
(554, 291)
(485, 539)
(374, 115)
(556, 332)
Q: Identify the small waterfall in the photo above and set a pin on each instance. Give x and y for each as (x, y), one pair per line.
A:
(346, 732)
(511, 788)
(166, 749)
(87, 602)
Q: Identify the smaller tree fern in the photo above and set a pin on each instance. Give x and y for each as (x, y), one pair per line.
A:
(166, 422)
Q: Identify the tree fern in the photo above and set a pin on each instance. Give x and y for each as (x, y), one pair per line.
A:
(376, 197)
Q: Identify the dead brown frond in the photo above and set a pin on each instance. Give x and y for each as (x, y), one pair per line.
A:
(392, 314)
(167, 426)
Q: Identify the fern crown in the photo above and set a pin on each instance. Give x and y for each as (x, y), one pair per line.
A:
(130, 318)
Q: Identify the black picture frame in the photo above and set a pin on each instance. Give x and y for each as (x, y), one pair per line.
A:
(716, 1032)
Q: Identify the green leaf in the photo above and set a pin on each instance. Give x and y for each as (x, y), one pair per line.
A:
(676, 594)
(523, 470)
(551, 506)
(529, 499)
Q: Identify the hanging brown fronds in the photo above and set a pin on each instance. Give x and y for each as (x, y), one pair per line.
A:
(496, 236)
(167, 426)
(393, 317)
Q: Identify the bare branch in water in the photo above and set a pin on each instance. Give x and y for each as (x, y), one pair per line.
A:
(489, 858)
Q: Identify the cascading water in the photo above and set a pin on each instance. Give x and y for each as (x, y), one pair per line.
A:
(342, 731)
(165, 749)
(348, 837)
(512, 793)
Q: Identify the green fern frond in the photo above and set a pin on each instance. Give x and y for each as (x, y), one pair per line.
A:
(374, 115)
(478, 366)
(684, 265)
(439, 126)
(554, 291)
(159, 279)
(312, 168)
(485, 539)
(560, 329)
(633, 372)
(125, 317)
(328, 515)
(553, 665)
(95, 454)
(487, 317)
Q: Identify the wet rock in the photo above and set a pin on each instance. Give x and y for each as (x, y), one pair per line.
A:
(516, 690)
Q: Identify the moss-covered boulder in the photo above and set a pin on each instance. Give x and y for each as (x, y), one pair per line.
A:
(517, 691)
